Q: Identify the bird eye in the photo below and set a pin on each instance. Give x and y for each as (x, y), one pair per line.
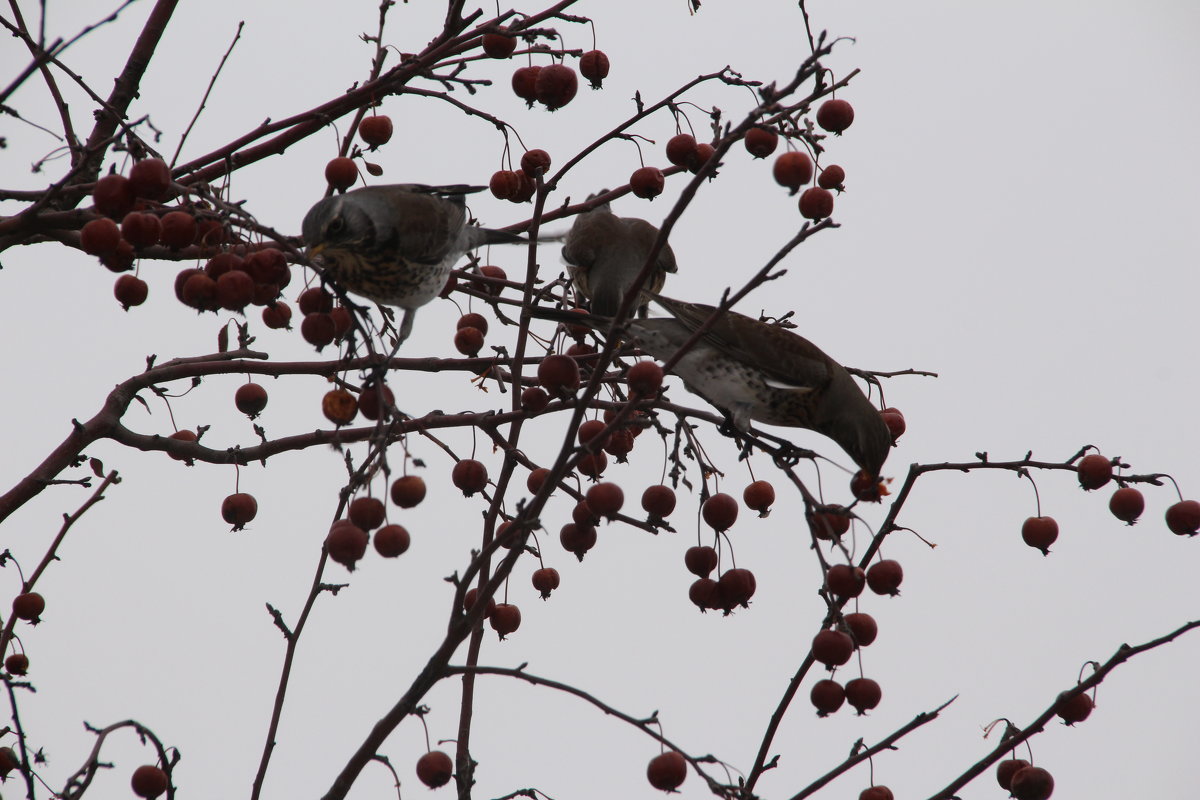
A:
(335, 226)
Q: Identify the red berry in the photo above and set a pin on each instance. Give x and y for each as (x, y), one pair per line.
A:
(250, 399)
(524, 83)
(558, 375)
(121, 259)
(876, 793)
(884, 577)
(114, 196)
(793, 169)
(148, 780)
(499, 45)
(100, 237)
(832, 177)
(816, 203)
(8, 761)
(505, 619)
(28, 606)
(667, 771)
(647, 182)
(735, 588)
(582, 515)
(705, 593)
(178, 230)
(367, 513)
(183, 436)
(375, 130)
(17, 663)
(832, 648)
(555, 86)
(619, 444)
(862, 627)
(277, 315)
(658, 501)
(835, 115)
(577, 539)
(534, 399)
(845, 581)
(318, 329)
(895, 423)
(593, 464)
(315, 300)
(827, 696)
(341, 173)
(497, 273)
(1094, 471)
(720, 511)
(130, 291)
(759, 496)
(535, 163)
(238, 509)
(1183, 518)
(339, 406)
(468, 341)
(469, 601)
(150, 178)
(1006, 769)
(469, 475)
(141, 230)
(545, 580)
(704, 152)
(1031, 783)
(536, 480)
(761, 142)
(589, 431)
(1127, 504)
(346, 543)
(829, 523)
(594, 65)
(408, 491)
(867, 488)
(700, 560)
(644, 378)
(370, 403)
(605, 499)
(235, 290)
(1074, 709)
(863, 693)
(1040, 532)
(681, 149)
(391, 541)
(435, 769)
(505, 184)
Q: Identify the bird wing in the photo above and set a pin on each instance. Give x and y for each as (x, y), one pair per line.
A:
(787, 359)
(426, 226)
(646, 235)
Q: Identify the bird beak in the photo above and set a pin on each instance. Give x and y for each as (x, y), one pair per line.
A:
(315, 250)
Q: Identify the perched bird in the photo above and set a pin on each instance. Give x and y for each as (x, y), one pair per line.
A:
(395, 244)
(605, 253)
(756, 371)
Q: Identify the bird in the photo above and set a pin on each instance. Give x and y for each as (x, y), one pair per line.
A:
(395, 244)
(755, 371)
(604, 254)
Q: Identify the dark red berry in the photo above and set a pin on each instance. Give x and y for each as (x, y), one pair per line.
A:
(1040, 532)
(28, 606)
(130, 290)
(832, 177)
(178, 230)
(816, 203)
(148, 780)
(499, 45)
(658, 501)
(341, 173)
(577, 539)
(545, 580)
(346, 543)
(667, 771)
(469, 475)
(376, 130)
(555, 86)
(238, 509)
(250, 399)
(391, 541)
(367, 513)
(720, 511)
(435, 769)
(863, 693)
(1031, 783)
(1006, 769)
(1073, 709)
(605, 499)
(895, 423)
(339, 406)
(681, 149)
(884, 577)
(647, 182)
(759, 496)
(594, 66)
(150, 178)
(100, 237)
(505, 619)
(761, 142)
(793, 169)
(1127, 504)
(1094, 471)
(845, 581)
(534, 399)
(114, 196)
(558, 375)
(468, 341)
(644, 378)
(862, 627)
(832, 648)
(1183, 518)
(827, 696)
(835, 115)
(535, 163)
(700, 560)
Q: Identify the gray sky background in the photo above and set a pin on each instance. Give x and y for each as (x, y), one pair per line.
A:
(1022, 188)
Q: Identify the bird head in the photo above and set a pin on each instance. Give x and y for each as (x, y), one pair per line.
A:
(334, 224)
(864, 436)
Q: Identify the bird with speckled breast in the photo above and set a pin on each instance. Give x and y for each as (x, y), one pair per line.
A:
(395, 244)
(605, 253)
(758, 372)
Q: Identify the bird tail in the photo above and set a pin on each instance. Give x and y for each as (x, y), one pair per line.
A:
(571, 317)
(493, 236)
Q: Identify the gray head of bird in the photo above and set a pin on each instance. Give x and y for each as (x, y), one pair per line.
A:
(864, 436)
(334, 224)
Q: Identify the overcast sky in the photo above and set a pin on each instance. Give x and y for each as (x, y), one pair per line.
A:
(1022, 194)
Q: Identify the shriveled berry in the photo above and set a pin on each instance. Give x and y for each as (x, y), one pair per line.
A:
(835, 115)
(1127, 504)
(1094, 471)
(535, 163)
(504, 184)
(720, 511)
(863, 693)
(884, 577)
(470, 476)
(658, 501)
(619, 444)
(1073, 709)
(867, 488)
(827, 696)
(667, 771)
(391, 541)
(647, 182)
